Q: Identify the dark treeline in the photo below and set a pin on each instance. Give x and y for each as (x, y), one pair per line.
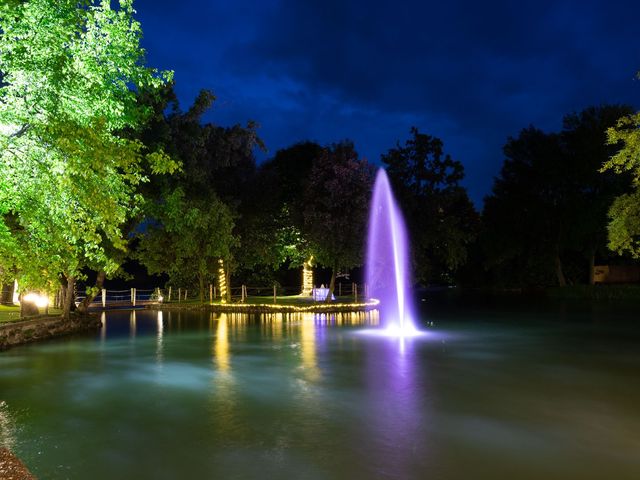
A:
(544, 223)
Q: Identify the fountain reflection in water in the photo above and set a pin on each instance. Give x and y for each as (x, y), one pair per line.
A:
(388, 260)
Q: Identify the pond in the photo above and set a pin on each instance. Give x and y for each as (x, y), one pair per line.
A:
(488, 392)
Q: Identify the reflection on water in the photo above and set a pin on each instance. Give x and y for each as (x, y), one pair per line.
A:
(397, 437)
(159, 341)
(7, 427)
(308, 346)
(221, 343)
(133, 323)
(309, 396)
(103, 330)
(223, 395)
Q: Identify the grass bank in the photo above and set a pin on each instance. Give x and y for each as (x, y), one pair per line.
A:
(11, 313)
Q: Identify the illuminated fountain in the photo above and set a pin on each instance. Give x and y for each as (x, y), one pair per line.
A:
(388, 259)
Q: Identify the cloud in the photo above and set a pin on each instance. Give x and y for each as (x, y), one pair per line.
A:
(469, 72)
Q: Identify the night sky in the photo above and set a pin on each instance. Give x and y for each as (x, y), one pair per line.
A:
(471, 73)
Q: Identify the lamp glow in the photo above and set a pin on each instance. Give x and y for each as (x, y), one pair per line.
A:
(40, 301)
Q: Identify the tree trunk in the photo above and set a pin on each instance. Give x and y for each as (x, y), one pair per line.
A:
(228, 275)
(201, 282)
(68, 298)
(559, 273)
(84, 306)
(7, 293)
(332, 284)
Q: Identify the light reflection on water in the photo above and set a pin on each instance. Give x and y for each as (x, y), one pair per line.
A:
(310, 396)
(7, 427)
(400, 410)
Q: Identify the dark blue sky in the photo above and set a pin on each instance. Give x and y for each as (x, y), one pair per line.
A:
(469, 72)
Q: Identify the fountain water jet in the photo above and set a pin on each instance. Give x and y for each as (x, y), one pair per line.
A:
(388, 259)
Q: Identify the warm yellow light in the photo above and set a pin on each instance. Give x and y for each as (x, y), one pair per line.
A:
(222, 344)
(307, 277)
(308, 346)
(372, 303)
(16, 295)
(222, 282)
(40, 301)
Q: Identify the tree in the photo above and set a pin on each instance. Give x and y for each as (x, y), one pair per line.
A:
(545, 222)
(70, 70)
(218, 166)
(186, 239)
(524, 218)
(336, 206)
(624, 215)
(441, 219)
(593, 192)
(272, 222)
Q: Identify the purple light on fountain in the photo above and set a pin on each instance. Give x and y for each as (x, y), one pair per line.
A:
(388, 258)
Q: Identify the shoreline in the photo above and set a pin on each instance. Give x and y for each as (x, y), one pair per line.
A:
(12, 468)
(29, 330)
(271, 308)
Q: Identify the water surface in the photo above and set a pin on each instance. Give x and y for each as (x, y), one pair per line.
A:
(487, 393)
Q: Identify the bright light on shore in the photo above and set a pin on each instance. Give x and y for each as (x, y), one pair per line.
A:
(40, 301)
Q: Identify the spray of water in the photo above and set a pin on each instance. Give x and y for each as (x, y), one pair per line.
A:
(388, 259)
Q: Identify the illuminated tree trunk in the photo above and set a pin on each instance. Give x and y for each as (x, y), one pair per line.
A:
(332, 283)
(84, 306)
(68, 298)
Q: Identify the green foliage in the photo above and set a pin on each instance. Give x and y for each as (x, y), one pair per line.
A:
(624, 227)
(625, 133)
(545, 221)
(336, 206)
(217, 172)
(441, 219)
(213, 158)
(188, 238)
(272, 240)
(272, 223)
(70, 72)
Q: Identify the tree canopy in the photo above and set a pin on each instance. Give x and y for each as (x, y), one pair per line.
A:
(441, 219)
(624, 226)
(70, 70)
(211, 191)
(545, 221)
(186, 239)
(336, 206)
